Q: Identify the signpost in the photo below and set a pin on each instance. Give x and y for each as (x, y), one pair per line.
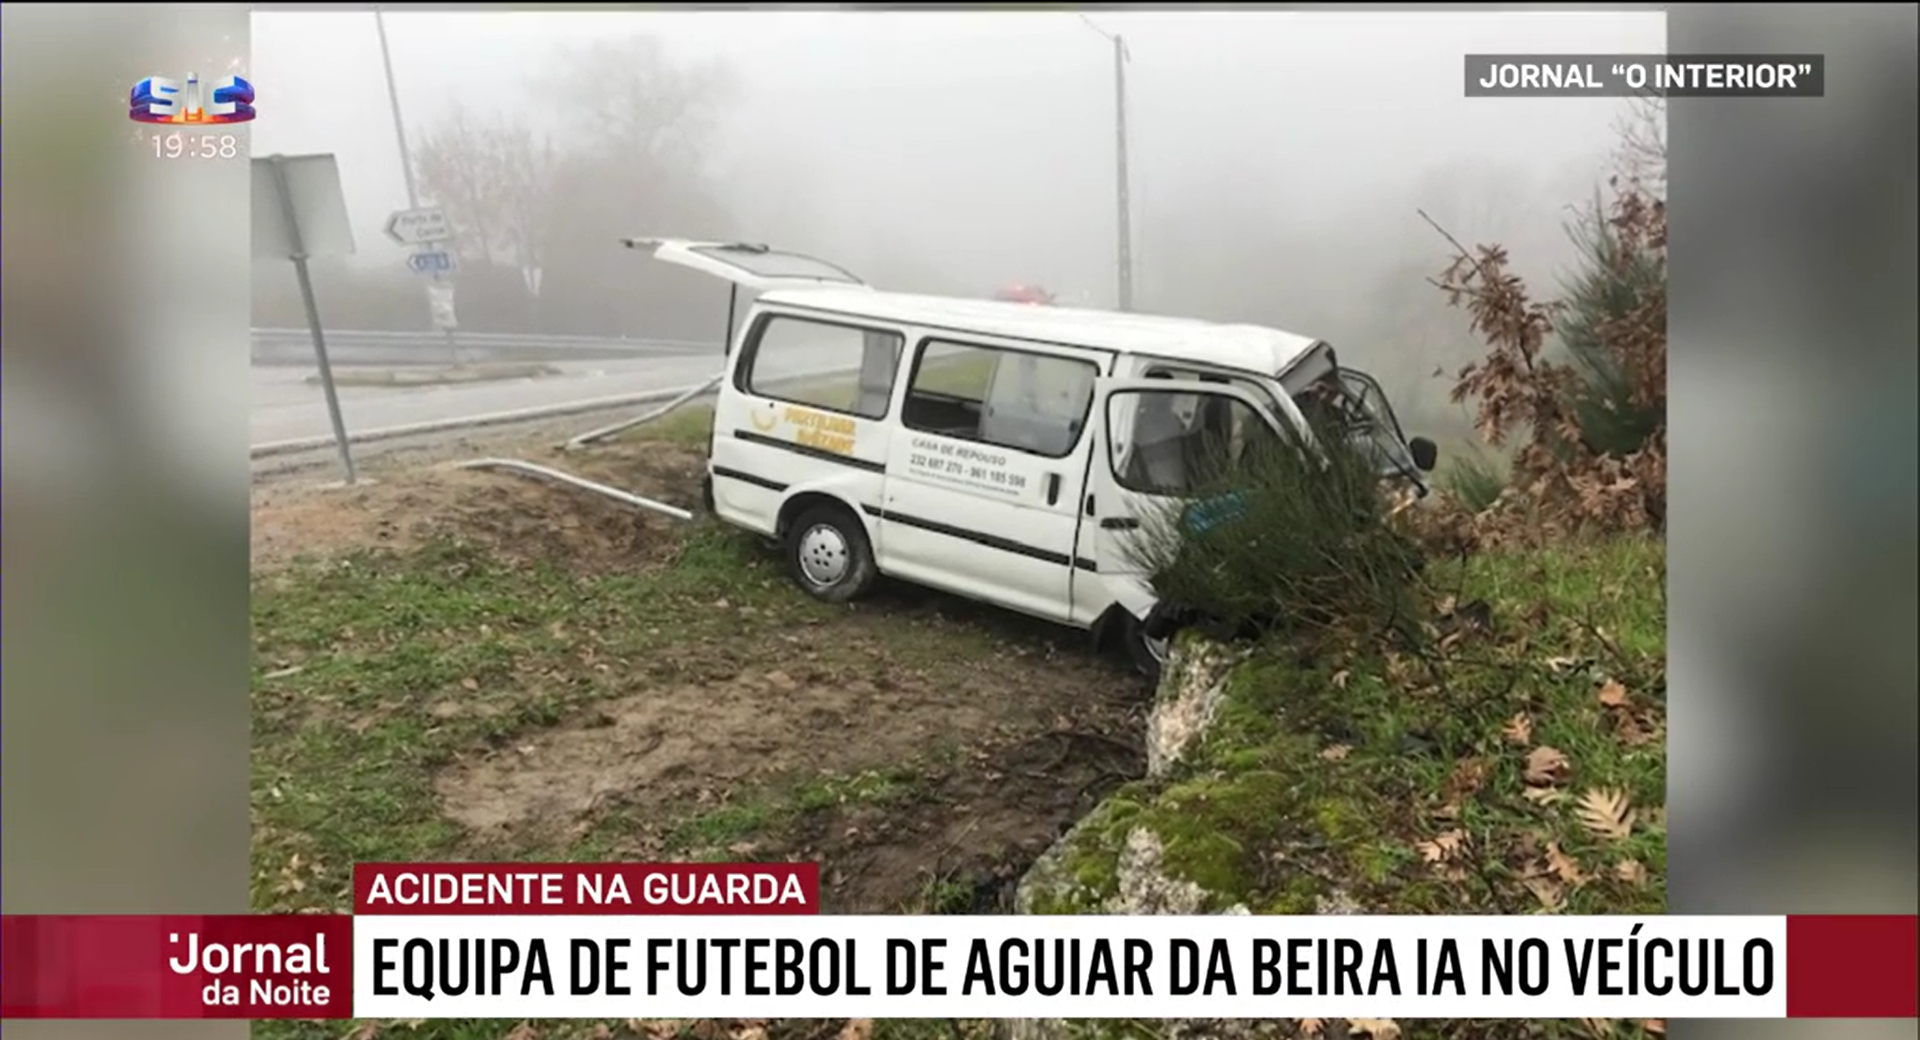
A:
(432, 261)
(299, 212)
(426, 228)
(419, 227)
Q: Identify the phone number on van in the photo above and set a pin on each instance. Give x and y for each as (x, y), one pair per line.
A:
(958, 462)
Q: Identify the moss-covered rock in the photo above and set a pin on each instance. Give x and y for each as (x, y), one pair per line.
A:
(1192, 686)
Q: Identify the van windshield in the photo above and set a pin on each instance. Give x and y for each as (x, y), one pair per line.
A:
(1350, 405)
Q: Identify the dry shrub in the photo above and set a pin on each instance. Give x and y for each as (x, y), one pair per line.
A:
(1566, 478)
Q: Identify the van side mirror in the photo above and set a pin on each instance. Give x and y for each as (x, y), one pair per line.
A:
(1425, 453)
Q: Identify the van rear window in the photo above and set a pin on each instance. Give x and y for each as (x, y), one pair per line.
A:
(841, 368)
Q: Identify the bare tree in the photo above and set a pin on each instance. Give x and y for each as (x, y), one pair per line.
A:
(495, 178)
(1641, 156)
(637, 106)
(628, 158)
(451, 164)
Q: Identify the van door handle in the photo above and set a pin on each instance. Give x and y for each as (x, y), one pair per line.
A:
(1053, 488)
(1119, 523)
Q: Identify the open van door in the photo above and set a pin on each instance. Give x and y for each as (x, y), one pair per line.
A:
(755, 268)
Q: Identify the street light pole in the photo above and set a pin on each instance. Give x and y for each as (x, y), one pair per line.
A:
(406, 156)
(393, 105)
(1123, 196)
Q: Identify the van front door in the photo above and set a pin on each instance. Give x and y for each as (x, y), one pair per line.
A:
(1165, 445)
(984, 482)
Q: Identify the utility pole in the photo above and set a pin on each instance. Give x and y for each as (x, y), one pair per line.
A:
(1122, 196)
(406, 156)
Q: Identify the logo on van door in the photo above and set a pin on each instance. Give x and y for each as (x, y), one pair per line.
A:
(818, 430)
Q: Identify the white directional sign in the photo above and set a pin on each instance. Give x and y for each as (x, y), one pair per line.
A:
(417, 227)
(437, 261)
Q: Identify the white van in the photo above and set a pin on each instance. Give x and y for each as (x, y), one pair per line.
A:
(999, 451)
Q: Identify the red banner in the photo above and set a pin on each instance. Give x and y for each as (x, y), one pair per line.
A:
(586, 888)
(292, 966)
(1852, 966)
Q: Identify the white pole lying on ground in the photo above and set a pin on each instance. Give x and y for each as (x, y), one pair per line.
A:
(580, 482)
(627, 424)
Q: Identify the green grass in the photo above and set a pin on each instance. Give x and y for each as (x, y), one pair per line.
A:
(719, 833)
(1401, 779)
(346, 746)
(1475, 478)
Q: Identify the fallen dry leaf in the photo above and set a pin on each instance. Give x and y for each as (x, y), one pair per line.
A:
(1518, 730)
(1656, 1026)
(1544, 795)
(1335, 752)
(1565, 665)
(751, 1031)
(1547, 766)
(1311, 1027)
(523, 1031)
(1545, 890)
(1377, 1028)
(1468, 777)
(363, 1031)
(1443, 847)
(1339, 681)
(1606, 812)
(1613, 694)
(1631, 871)
(1564, 867)
(469, 684)
(1598, 1027)
(857, 1029)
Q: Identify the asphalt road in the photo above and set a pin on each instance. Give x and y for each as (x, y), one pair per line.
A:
(287, 407)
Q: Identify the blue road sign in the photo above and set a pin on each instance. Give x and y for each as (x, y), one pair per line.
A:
(435, 262)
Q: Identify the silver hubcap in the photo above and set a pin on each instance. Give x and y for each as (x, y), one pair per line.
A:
(823, 555)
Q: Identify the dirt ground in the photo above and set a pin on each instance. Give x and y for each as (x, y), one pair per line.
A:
(522, 516)
(912, 744)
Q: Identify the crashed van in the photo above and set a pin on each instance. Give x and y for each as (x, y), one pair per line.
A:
(995, 450)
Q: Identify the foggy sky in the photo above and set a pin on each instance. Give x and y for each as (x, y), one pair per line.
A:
(985, 140)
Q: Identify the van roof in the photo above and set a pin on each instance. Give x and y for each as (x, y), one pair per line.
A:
(1249, 347)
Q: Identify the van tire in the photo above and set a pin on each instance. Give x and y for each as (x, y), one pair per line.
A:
(829, 556)
(1146, 653)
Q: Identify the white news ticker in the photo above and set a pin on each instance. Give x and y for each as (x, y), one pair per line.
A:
(1561, 948)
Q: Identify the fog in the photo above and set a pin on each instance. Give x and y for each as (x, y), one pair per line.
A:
(1278, 161)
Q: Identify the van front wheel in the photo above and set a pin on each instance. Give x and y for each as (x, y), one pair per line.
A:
(1147, 653)
(828, 552)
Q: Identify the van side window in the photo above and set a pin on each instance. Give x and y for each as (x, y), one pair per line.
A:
(1181, 444)
(1008, 398)
(839, 368)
